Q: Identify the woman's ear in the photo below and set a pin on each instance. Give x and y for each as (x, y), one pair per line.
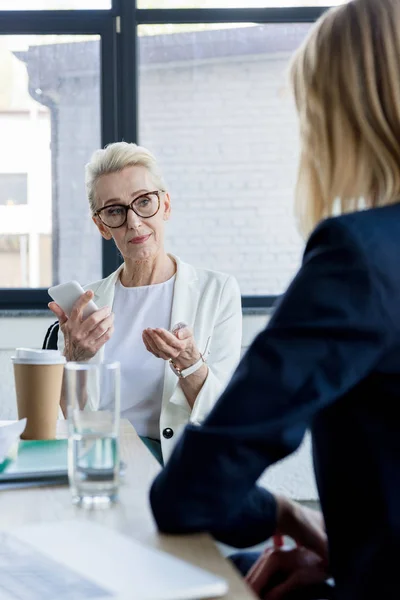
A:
(105, 232)
(167, 206)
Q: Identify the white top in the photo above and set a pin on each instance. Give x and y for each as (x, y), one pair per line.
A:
(142, 374)
(209, 302)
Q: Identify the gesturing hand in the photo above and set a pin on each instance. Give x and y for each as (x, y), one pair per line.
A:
(84, 337)
(179, 346)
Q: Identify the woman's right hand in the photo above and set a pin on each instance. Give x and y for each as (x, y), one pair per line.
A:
(278, 574)
(304, 525)
(83, 338)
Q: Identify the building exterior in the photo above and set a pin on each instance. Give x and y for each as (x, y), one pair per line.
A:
(25, 180)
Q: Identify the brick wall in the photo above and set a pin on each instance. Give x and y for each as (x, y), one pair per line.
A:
(78, 114)
(225, 134)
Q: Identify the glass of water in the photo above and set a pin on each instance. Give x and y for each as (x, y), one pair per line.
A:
(93, 405)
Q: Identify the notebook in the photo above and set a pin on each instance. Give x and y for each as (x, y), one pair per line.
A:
(36, 462)
(77, 560)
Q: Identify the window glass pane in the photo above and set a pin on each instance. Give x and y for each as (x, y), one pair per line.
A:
(235, 3)
(216, 110)
(14, 260)
(13, 189)
(50, 125)
(54, 4)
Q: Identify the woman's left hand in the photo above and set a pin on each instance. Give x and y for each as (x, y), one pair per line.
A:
(179, 346)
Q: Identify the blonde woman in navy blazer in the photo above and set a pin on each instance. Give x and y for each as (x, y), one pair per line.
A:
(329, 359)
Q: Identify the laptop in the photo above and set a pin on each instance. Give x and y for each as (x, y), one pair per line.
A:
(77, 560)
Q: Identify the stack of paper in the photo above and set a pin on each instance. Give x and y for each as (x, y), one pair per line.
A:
(9, 435)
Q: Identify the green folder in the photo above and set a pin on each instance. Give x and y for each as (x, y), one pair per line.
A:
(37, 462)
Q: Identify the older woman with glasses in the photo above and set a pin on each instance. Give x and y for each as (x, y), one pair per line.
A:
(175, 329)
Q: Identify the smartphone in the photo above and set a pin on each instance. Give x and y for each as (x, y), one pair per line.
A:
(66, 294)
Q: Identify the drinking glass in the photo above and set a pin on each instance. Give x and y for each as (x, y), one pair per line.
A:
(93, 408)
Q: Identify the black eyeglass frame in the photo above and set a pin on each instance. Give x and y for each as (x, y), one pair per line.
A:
(127, 207)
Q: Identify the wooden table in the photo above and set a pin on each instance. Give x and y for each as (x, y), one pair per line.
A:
(131, 516)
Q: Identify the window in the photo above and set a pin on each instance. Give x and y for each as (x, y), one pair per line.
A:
(13, 189)
(50, 124)
(210, 99)
(216, 110)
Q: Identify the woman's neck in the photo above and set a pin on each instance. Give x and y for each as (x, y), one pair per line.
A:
(156, 269)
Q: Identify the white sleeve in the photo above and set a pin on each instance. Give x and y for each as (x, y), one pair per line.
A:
(224, 353)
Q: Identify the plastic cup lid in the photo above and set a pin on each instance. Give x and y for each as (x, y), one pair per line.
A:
(36, 356)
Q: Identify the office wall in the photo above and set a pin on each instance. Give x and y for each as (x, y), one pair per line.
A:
(292, 477)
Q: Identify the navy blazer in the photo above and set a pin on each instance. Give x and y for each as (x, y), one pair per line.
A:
(328, 360)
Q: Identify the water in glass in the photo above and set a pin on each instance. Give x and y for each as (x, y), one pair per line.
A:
(93, 444)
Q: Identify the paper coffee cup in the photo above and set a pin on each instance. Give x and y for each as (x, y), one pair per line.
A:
(38, 381)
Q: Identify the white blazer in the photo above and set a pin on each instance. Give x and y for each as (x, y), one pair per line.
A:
(210, 303)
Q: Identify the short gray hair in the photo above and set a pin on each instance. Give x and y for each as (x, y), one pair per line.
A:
(114, 158)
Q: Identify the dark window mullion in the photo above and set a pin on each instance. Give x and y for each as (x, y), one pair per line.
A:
(109, 121)
(128, 88)
(24, 299)
(54, 22)
(161, 16)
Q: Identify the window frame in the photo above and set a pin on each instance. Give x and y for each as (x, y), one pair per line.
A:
(118, 29)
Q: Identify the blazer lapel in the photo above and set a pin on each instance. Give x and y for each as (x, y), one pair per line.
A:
(104, 293)
(104, 296)
(184, 307)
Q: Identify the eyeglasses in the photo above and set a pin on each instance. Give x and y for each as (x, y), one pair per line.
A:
(116, 215)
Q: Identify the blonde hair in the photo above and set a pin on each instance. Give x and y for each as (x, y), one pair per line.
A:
(112, 159)
(346, 81)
